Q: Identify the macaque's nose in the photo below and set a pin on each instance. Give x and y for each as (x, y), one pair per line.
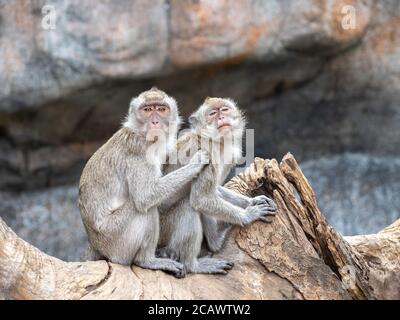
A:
(155, 123)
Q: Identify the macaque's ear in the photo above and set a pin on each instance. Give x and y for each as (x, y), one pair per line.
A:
(193, 120)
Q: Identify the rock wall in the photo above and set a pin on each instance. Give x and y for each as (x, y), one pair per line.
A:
(308, 86)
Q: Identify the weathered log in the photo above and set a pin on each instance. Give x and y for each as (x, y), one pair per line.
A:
(382, 253)
(297, 256)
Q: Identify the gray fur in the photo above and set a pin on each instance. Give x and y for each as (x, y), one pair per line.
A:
(209, 208)
(215, 231)
(120, 191)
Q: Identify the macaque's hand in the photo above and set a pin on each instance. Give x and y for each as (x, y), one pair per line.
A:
(261, 208)
(200, 157)
(264, 200)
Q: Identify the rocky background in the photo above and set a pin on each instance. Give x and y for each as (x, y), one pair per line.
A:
(327, 94)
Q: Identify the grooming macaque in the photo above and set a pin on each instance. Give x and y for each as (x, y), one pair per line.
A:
(217, 126)
(122, 184)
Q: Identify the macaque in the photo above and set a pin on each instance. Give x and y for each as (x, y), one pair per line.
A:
(122, 184)
(217, 126)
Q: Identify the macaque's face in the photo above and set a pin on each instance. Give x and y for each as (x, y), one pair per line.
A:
(156, 116)
(221, 118)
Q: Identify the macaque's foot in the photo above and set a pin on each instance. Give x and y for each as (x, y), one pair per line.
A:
(167, 265)
(176, 268)
(212, 266)
(168, 253)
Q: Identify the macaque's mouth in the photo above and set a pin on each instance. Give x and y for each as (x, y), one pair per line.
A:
(154, 135)
(224, 126)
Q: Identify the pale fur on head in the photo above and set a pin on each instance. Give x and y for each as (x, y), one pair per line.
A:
(204, 206)
(198, 123)
(159, 149)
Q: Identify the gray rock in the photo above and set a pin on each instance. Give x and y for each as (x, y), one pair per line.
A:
(359, 194)
(49, 219)
(308, 85)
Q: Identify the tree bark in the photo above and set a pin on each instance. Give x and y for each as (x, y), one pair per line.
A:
(297, 256)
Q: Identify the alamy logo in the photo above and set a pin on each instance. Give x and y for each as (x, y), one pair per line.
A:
(49, 17)
(225, 155)
(349, 19)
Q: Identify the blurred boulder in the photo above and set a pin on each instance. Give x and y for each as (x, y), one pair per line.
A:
(49, 219)
(358, 193)
(308, 83)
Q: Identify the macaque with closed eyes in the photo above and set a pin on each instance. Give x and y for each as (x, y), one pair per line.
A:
(217, 126)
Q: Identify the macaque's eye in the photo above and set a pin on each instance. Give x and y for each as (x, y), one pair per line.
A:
(147, 109)
(212, 113)
(225, 109)
(162, 111)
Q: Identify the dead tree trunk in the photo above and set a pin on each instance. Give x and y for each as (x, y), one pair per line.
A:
(297, 256)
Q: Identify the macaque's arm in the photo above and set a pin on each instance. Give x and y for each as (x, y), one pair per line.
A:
(170, 186)
(234, 198)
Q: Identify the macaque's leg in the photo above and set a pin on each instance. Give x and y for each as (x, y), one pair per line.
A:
(214, 233)
(166, 252)
(189, 246)
(146, 258)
